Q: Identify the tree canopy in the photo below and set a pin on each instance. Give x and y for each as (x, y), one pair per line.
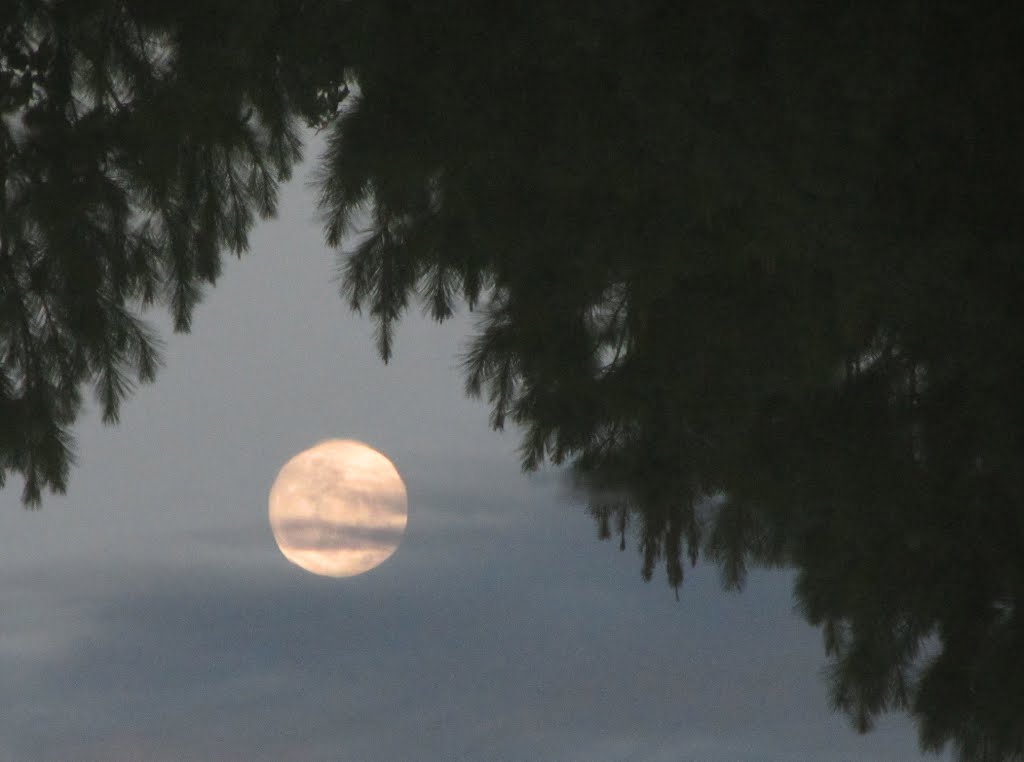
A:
(138, 142)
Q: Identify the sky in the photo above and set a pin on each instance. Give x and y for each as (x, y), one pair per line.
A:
(148, 614)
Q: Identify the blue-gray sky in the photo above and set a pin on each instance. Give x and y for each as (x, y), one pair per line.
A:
(149, 615)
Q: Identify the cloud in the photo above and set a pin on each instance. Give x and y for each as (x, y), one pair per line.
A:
(531, 655)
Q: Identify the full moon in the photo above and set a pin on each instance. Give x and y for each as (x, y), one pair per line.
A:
(338, 509)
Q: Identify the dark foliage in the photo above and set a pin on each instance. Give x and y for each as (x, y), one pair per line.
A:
(138, 142)
(756, 275)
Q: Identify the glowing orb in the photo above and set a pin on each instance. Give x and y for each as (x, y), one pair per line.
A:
(338, 509)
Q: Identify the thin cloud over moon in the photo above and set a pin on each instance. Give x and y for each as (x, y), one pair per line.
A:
(338, 509)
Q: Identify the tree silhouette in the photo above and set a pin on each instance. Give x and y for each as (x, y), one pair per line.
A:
(139, 142)
(755, 276)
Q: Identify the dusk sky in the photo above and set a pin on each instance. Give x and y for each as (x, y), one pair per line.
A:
(148, 613)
